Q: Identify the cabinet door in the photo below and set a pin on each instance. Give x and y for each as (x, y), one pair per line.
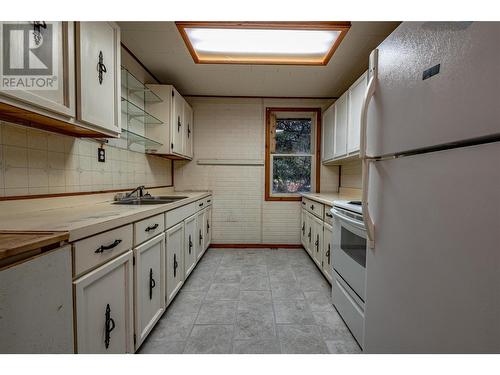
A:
(309, 233)
(356, 95)
(58, 66)
(175, 260)
(177, 123)
(328, 124)
(303, 234)
(208, 227)
(36, 305)
(149, 286)
(104, 317)
(98, 74)
(317, 248)
(200, 225)
(188, 130)
(189, 244)
(327, 251)
(341, 113)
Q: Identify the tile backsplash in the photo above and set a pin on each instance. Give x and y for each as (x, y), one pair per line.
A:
(33, 161)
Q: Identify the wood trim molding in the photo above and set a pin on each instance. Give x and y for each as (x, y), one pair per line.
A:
(341, 26)
(254, 246)
(267, 158)
(36, 196)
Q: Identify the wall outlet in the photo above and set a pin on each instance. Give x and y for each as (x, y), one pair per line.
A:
(101, 155)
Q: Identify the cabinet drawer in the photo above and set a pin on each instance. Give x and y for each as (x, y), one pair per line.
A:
(201, 203)
(207, 201)
(317, 209)
(177, 215)
(96, 250)
(328, 215)
(148, 228)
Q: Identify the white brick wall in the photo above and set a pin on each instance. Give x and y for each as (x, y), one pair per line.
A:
(233, 128)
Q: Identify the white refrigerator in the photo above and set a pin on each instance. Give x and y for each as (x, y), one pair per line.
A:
(430, 146)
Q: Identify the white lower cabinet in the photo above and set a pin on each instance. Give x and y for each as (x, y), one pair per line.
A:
(189, 244)
(208, 227)
(104, 313)
(149, 286)
(200, 228)
(175, 260)
(317, 239)
(327, 251)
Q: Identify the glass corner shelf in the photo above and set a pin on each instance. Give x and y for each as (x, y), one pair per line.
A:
(148, 143)
(139, 89)
(135, 112)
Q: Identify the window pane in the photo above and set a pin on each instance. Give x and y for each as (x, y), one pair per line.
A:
(293, 135)
(291, 174)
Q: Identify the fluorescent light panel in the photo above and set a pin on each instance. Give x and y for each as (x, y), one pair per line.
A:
(261, 45)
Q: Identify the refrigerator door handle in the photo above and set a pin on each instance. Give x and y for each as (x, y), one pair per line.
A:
(370, 90)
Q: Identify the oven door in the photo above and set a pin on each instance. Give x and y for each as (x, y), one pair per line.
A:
(349, 251)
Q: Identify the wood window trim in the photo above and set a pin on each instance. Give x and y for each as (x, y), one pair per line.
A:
(267, 164)
(341, 26)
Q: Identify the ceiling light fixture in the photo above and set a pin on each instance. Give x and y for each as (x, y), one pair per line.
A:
(273, 43)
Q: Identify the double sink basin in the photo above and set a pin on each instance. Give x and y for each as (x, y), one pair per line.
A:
(149, 199)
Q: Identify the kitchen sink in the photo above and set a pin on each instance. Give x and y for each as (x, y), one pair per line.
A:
(148, 200)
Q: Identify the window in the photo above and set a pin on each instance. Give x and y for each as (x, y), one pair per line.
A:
(285, 43)
(292, 152)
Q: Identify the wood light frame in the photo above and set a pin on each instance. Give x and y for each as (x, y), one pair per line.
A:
(317, 153)
(342, 27)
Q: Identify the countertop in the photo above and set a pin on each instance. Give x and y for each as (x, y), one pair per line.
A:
(16, 243)
(82, 216)
(328, 198)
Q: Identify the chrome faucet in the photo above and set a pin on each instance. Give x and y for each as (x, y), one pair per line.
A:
(139, 190)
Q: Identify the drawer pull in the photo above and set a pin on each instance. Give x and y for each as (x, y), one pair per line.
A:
(152, 283)
(209, 201)
(152, 227)
(329, 215)
(303, 203)
(201, 204)
(109, 325)
(108, 247)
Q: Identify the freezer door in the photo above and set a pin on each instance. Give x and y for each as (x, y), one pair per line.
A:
(433, 278)
(460, 102)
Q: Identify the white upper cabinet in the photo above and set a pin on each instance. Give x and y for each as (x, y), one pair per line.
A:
(98, 75)
(328, 133)
(177, 129)
(356, 95)
(188, 130)
(341, 116)
(58, 64)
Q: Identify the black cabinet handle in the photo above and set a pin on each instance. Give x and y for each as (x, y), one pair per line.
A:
(317, 243)
(109, 325)
(312, 206)
(201, 204)
(190, 244)
(209, 201)
(101, 68)
(208, 226)
(107, 247)
(303, 203)
(329, 215)
(200, 238)
(152, 283)
(175, 265)
(152, 227)
(189, 131)
(179, 123)
(309, 235)
(328, 253)
(303, 228)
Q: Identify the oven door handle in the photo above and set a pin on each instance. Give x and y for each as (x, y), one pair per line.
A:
(348, 220)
